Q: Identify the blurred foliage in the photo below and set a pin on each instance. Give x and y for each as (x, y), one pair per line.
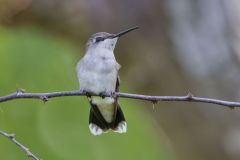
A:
(182, 46)
(38, 62)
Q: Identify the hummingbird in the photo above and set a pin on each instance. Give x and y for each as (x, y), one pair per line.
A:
(97, 73)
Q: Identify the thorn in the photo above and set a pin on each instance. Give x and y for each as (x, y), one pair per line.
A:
(189, 96)
(11, 136)
(20, 91)
(44, 98)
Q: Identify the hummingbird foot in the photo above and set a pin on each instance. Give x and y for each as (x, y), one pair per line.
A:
(103, 94)
(87, 93)
(113, 95)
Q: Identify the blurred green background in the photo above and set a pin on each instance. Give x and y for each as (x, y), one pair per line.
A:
(58, 129)
(181, 46)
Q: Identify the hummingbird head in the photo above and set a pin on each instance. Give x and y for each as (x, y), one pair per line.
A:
(106, 40)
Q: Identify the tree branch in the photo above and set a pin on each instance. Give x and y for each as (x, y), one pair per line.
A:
(154, 99)
(22, 147)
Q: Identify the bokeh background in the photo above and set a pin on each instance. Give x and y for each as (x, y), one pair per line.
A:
(183, 46)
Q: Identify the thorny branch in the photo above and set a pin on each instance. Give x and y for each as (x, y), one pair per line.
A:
(23, 148)
(20, 94)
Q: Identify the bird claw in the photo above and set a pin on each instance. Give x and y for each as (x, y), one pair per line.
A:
(88, 94)
(103, 94)
(107, 94)
(44, 98)
(113, 94)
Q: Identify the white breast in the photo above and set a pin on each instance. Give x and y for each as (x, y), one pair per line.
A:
(97, 71)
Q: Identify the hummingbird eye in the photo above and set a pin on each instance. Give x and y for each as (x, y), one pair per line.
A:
(98, 39)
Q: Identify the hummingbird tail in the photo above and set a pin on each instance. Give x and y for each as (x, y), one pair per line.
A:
(98, 125)
(120, 124)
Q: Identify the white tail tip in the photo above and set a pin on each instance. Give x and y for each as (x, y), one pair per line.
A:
(121, 128)
(95, 130)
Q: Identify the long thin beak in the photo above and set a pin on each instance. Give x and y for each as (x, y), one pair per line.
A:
(123, 32)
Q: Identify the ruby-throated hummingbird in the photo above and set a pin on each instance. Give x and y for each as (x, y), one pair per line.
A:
(97, 73)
